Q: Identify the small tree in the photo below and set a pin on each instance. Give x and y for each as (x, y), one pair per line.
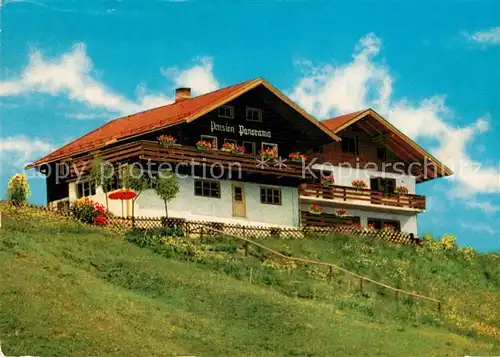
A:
(133, 178)
(18, 190)
(102, 175)
(166, 186)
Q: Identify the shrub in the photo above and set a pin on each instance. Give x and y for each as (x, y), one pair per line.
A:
(88, 211)
(18, 190)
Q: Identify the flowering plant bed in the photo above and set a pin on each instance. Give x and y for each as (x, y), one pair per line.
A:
(88, 211)
(297, 157)
(359, 184)
(328, 181)
(341, 212)
(238, 150)
(166, 140)
(268, 154)
(203, 145)
(402, 190)
(315, 209)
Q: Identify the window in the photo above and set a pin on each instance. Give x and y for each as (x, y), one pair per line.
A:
(270, 195)
(266, 146)
(249, 147)
(383, 184)
(232, 141)
(211, 139)
(385, 155)
(206, 188)
(350, 145)
(85, 189)
(381, 223)
(253, 114)
(226, 111)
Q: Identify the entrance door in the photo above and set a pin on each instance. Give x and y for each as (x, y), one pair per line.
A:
(239, 204)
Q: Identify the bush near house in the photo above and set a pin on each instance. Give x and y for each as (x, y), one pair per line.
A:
(88, 211)
(18, 190)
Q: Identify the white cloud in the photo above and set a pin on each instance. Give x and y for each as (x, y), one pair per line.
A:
(71, 74)
(485, 37)
(199, 77)
(328, 90)
(479, 227)
(487, 207)
(18, 151)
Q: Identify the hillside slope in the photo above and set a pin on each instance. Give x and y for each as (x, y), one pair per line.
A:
(71, 290)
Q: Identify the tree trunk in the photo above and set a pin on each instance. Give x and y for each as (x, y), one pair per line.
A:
(107, 207)
(166, 209)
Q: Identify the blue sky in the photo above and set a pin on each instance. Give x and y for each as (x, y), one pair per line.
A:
(430, 68)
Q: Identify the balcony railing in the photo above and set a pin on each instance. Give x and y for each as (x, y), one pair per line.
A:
(189, 155)
(362, 196)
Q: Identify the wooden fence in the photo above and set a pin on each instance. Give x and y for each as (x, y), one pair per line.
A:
(346, 226)
(331, 269)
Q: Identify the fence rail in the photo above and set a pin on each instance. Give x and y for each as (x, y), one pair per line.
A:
(330, 266)
(351, 194)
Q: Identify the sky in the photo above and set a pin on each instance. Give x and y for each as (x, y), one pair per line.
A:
(430, 68)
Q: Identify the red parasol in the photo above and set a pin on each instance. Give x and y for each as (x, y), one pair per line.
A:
(122, 195)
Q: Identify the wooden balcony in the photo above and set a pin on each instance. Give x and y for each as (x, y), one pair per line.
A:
(362, 197)
(189, 155)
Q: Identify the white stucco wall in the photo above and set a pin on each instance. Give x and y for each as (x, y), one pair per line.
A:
(344, 176)
(187, 205)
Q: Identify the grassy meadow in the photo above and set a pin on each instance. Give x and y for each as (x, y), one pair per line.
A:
(67, 289)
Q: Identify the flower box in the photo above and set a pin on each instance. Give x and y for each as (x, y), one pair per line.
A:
(340, 212)
(328, 181)
(166, 140)
(402, 190)
(268, 154)
(359, 184)
(315, 209)
(203, 145)
(297, 157)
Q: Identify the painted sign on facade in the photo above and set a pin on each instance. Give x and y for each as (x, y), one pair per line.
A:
(241, 130)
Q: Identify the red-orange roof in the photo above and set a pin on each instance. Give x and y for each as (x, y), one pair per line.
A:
(142, 122)
(334, 123)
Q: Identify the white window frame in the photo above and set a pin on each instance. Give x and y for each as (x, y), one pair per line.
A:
(253, 110)
(223, 114)
(263, 187)
(212, 139)
(84, 189)
(202, 181)
(232, 141)
(270, 144)
(254, 147)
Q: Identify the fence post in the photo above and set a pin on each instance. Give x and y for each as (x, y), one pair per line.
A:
(361, 284)
(439, 306)
(330, 273)
(201, 233)
(246, 249)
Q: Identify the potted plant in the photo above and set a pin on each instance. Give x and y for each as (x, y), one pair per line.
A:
(239, 150)
(328, 181)
(166, 140)
(297, 157)
(341, 212)
(371, 227)
(402, 190)
(315, 209)
(228, 147)
(268, 154)
(359, 184)
(203, 145)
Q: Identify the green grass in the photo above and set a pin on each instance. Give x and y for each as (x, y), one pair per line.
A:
(71, 290)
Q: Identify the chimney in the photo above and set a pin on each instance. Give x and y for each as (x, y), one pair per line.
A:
(182, 94)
